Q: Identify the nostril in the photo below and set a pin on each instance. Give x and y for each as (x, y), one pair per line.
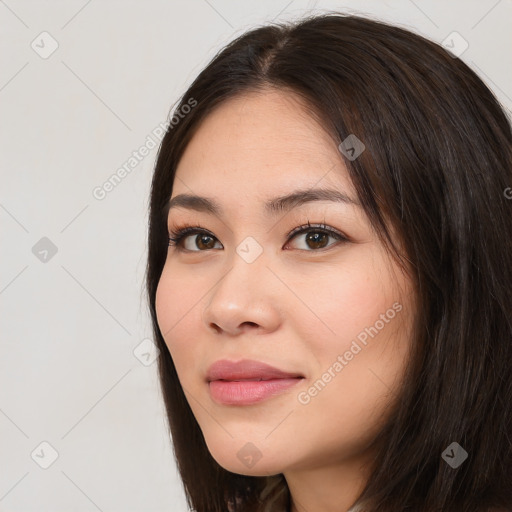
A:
(252, 324)
(216, 328)
(236, 330)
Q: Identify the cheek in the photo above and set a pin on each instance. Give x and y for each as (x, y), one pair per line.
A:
(350, 296)
(177, 311)
(175, 298)
(164, 304)
(357, 368)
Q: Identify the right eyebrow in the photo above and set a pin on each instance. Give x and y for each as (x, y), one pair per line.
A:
(273, 206)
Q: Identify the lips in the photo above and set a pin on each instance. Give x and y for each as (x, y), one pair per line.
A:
(247, 370)
(247, 382)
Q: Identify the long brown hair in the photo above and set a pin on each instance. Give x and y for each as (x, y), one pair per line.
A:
(436, 169)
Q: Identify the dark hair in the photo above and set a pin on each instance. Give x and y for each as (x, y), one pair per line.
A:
(435, 171)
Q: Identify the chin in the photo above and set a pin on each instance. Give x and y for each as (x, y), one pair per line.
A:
(258, 470)
(245, 458)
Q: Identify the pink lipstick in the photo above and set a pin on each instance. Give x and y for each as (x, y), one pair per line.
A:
(247, 382)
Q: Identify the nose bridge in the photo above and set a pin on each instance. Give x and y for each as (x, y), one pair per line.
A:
(247, 263)
(243, 281)
(242, 295)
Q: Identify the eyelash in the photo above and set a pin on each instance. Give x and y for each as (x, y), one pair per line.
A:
(179, 234)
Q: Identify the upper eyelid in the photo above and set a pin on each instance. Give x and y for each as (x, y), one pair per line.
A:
(310, 227)
(190, 230)
(193, 229)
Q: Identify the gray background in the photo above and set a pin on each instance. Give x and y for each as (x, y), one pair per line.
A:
(75, 370)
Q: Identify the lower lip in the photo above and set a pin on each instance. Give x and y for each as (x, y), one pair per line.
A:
(248, 392)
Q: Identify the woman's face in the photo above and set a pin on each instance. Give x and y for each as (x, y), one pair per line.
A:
(332, 313)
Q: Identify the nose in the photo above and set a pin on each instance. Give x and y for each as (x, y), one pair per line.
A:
(244, 300)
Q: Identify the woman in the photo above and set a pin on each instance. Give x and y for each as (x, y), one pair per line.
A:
(330, 277)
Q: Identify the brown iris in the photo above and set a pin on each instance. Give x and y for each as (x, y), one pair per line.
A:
(317, 238)
(205, 242)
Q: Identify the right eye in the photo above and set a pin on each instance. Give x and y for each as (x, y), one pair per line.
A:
(203, 240)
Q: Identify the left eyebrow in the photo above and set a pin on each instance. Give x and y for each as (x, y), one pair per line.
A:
(273, 206)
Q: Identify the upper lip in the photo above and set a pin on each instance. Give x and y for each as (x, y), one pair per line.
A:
(246, 369)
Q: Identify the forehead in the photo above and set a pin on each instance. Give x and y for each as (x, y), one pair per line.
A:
(265, 143)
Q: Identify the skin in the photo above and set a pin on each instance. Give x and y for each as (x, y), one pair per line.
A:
(296, 307)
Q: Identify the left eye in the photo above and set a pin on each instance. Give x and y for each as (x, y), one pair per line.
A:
(316, 238)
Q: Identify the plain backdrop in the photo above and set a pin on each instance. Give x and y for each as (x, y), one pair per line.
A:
(82, 86)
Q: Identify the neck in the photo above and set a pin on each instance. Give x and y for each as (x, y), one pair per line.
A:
(327, 488)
